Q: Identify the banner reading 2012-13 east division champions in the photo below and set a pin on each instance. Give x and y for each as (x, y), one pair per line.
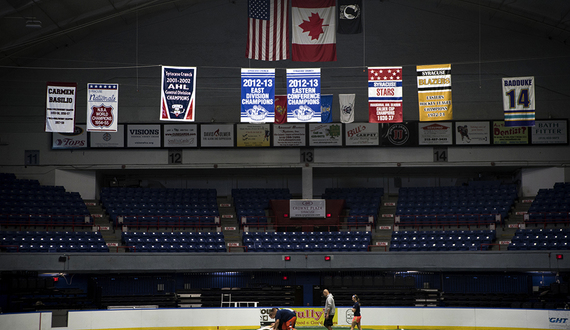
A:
(178, 93)
(303, 95)
(257, 95)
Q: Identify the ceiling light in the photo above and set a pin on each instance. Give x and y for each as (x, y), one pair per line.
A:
(33, 24)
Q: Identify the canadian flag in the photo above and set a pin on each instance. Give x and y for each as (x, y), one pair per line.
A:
(314, 30)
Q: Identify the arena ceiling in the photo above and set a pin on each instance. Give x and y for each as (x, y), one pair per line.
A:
(32, 28)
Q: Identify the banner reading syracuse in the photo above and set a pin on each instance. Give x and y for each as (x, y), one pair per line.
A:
(60, 107)
(178, 93)
(434, 92)
(257, 96)
(385, 95)
(311, 317)
(303, 95)
(102, 107)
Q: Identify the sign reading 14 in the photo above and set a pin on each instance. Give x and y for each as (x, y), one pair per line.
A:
(522, 99)
(295, 83)
(257, 82)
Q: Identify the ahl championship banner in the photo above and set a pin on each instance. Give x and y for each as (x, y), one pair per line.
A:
(303, 95)
(385, 95)
(434, 92)
(60, 107)
(178, 88)
(257, 95)
(518, 101)
(102, 107)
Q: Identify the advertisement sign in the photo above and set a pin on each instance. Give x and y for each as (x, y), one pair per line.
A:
(385, 95)
(361, 134)
(509, 135)
(217, 135)
(434, 92)
(75, 140)
(325, 135)
(303, 95)
(143, 136)
(435, 134)
(307, 208)
(185, 136)
(253, 135)
(108, 139)
(60, 107)
(257, 96)
(399, 134)
(102, 107)
(472, 132)
(289, 135)
(178, 93)
(550, 132)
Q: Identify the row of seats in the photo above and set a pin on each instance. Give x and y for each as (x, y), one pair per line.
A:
(551, 205)
(535, 239)
(46, 241)
(134, 191)
(460, 240)
(184, 221)
(306, 241)
(251, 203)
(130, 238)
(177, 247)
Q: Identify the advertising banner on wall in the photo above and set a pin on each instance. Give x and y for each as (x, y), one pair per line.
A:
(399, 134)
(143, 136)
(102, 107)
(178, 93)
(361, 134)
(434, 92)
(60, 107)
(509, 135)
(108, 139)
(325, 135)
(303, 95)
(181, 136)
(518, 101)
(385, 95)
(435, 133)
(75, 140)
(217, 135)
(289, 135)
(253, 135)
(550, 132)
(257, 96)
(472, 132)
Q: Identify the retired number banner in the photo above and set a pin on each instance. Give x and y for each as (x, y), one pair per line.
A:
(434, 92)
(178, 88)
(385, 95)
(60, 107)
(303, 95)
(518, 101)
(102, 107)
(257, 96)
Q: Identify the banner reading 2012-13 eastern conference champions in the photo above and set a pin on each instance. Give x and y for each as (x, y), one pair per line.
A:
(257, 95)
(178, 93)
(434, 92)
(303, 95)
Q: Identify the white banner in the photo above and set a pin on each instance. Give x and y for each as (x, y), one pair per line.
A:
(102, 107)
(346, 102)
(60, 107)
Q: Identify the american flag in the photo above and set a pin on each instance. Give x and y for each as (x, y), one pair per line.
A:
(268, 30)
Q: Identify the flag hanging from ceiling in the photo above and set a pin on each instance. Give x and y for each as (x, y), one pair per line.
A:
(434, 92)
(102, 107)
(304, 95)
(314, 32)
(268, 30)
(349, 20)
(178, 97)
(280, 109)
(518, 101)
(326, 106)
(346, 107)
(60, 107)
(385, 95)
(257, 95)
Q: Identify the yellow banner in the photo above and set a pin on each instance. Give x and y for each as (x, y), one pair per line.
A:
(311, 317)
(434, 92)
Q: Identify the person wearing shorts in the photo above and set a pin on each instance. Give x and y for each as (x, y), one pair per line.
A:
(356, 311)
(285, 318)
(329, 309)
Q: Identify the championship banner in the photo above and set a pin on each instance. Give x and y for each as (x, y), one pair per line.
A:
(60, 107)
(303, 95)
(518, 101)
(385, 95)
(346, 102)
(102, 107)
(257, 96)
(280, 109)
(326, 106)
(434, 92)
(178, 96)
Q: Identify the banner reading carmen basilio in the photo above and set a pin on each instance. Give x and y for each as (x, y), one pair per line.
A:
(60, 107)
(178, 93)
(434, 92)
(102, 107)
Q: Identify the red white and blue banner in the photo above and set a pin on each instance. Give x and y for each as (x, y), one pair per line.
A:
(102, 107)
(518, 101)
(178, 93)
(314, 30)
(268, 30)
(303, 95)
(60, 107)
(257, 96)
(385, 95)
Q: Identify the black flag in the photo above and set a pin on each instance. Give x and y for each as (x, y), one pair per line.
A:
(349, 19)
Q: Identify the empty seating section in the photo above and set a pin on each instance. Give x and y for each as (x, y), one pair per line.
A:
(361, 202)
(27, 203)
(462, 205)
(167, 207)
(541, 239)
(251, 204)
(306, 241)
(174, 241)
(52, 241)
(551, 205)
(451, 240)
